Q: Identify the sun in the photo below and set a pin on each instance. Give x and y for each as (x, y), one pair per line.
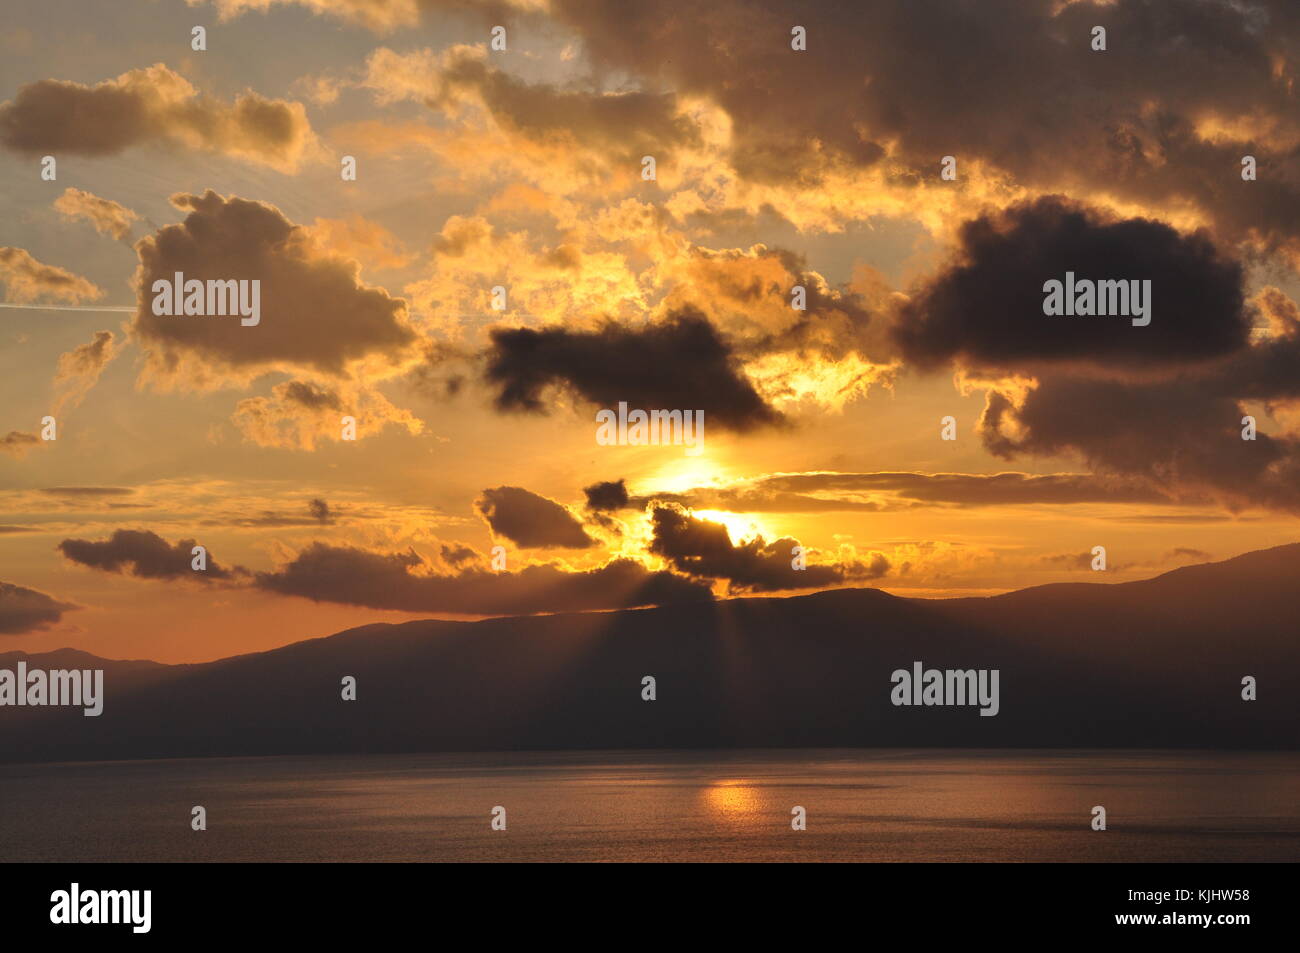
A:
(678, 476)
(740, 526)
(688, 473)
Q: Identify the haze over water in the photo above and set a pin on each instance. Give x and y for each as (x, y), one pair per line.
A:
(863, 805)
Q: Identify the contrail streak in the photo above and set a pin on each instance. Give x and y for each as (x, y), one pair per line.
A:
(65, 307)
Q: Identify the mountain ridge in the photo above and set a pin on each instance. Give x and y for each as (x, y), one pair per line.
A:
(1148, 663)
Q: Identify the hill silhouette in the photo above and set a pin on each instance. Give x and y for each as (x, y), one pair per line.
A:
(1154, 663)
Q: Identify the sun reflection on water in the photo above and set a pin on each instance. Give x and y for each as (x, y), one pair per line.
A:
(733, 799)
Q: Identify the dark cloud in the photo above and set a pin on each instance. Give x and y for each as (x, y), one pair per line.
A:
(1085, 560)
(458, 554)
(703, 548)
(606, 496)
(17, 442)
(530, 520)
(345, 574)
(266, 519)
(26, 610)
(383, 16)
(1159, 406)
(1183, 436)
(1071, 560)
(1269, 370)
(311, 396)
(1020, 91)
(320, 511)
(144, 554)
(986, 308)
(1184, 518)
(622, 126)
(75, 491)
(679, 364)
(809, 109)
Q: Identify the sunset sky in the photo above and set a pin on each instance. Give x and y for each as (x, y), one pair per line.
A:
(522, 168)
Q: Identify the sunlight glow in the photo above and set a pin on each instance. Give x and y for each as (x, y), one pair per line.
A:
(740, 526)
(734, 799)
(680, 475)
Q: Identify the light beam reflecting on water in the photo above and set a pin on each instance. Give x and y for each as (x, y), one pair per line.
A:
(863, 805)
(737, 801)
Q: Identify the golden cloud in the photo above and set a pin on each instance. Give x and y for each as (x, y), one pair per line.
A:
(108, 217)
(152, 105)
(27, 280)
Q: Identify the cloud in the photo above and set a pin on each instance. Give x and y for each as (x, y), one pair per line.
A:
(352, 576)
(267, 519)
(27, 280)
(607, 496)
(26, 610)
(530, 520)
(823, 491)
(851, 127)
(1071, 560)
(1074, 561)
(320, 511)
(316, 314)
(79, 369)
(830, 352)
(382, 16)
(145, 555)
(704, 548)
(986, 308)
(458, 554)
(17, 443)
(748, 292)
(357, 237)
(579, 135)
(299, 414)
(628, 264)
(622, 126)
(88, 491)
(977, 489)
(660, 366)
(152, 105)
(548, 282)
(107, 216)
(1161, 118)
(1182, 435)
(1182, 438)
(377, 15)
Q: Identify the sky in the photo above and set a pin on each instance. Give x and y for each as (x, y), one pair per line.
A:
(919, 170)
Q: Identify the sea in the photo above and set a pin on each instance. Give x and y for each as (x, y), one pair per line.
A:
(878, 805)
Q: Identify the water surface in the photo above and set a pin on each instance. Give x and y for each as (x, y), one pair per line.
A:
(862, 805)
